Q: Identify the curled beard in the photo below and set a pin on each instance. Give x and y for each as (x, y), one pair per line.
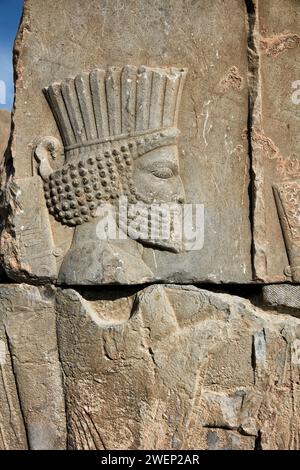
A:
(156, 225)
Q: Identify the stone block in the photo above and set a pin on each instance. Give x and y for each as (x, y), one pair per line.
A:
(275, 139)
(182, 368)
(166, 367)
(122, 80)
(282, 295)
(31, 400)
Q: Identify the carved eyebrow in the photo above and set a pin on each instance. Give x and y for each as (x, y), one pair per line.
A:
(163, 163)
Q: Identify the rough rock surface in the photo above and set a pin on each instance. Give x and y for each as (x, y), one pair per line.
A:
(213, 148)
(168, 367)
(188, 369)
(4, 130)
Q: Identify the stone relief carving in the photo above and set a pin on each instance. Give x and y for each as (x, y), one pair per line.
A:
(119, 131)
(287, 197)
(33, 234)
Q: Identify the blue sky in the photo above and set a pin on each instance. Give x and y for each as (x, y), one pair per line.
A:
(10, 15)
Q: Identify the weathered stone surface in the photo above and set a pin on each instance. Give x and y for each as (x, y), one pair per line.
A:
(275, 139)
(282, 295)
(33, 244)
(168, 367)
(5, 118)
(149, 100)
(182, 368)
(167, 37)
(31, 400)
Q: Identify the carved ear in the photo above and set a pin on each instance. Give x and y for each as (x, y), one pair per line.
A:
(48, 149)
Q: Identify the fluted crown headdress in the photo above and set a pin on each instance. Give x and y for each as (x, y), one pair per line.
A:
(106, 105)
(106, 119)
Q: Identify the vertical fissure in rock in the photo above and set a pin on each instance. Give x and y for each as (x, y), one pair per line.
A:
(63, 375)
(253, 87)
(258, 443)
(253, 360)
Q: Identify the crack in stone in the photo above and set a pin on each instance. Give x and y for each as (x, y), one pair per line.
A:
(258, 441)
(63, 375)
(9, 348)
(253, 86)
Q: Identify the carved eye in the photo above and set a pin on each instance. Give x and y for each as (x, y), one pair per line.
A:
(163, 173)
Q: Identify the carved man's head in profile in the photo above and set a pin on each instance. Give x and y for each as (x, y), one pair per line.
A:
(118, 127)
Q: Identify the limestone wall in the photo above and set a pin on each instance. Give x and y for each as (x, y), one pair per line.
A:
(150, 227)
